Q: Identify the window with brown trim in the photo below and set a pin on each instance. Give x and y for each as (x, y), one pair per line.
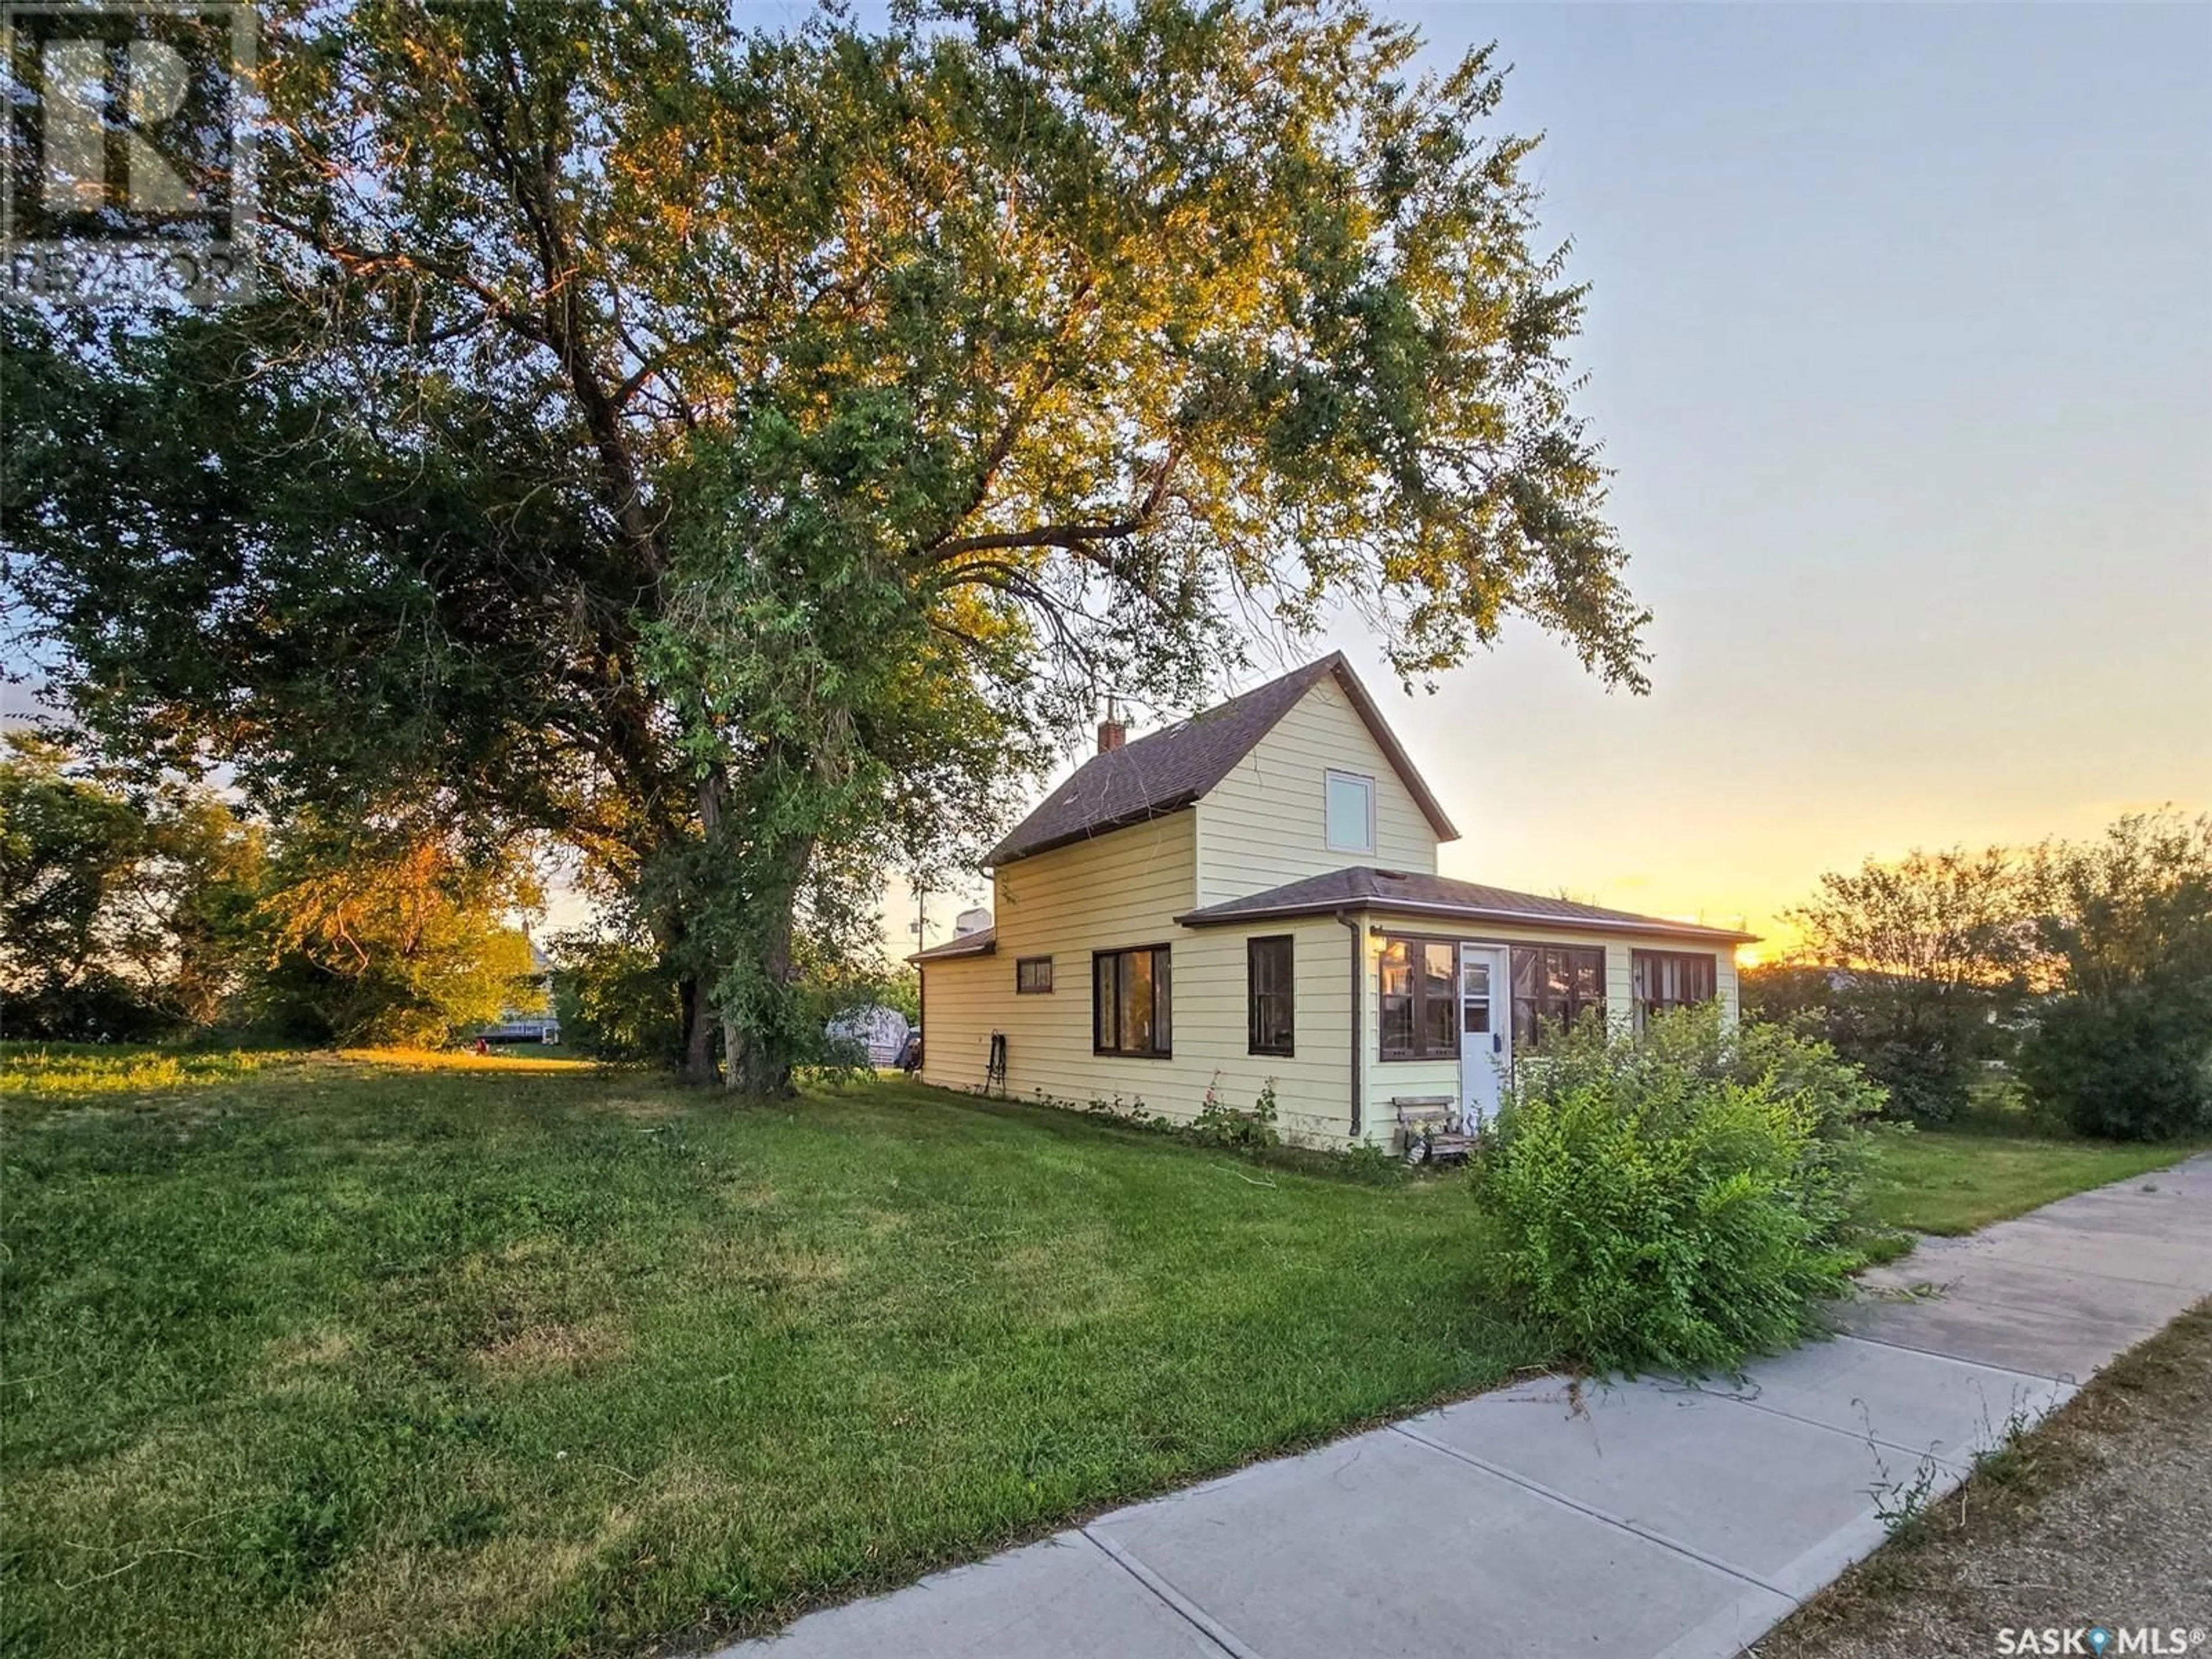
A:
(1418, 993)
(1271, 1017)
(1032, 976)
(1670, 979)
(1129, 1002)
(1554, 985)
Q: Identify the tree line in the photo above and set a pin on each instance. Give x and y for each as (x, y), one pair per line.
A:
(2080, 971)
(140, 914)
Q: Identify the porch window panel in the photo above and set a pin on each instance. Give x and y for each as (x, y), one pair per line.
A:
(1418, 990)
(1671, 979)
(1554, 985)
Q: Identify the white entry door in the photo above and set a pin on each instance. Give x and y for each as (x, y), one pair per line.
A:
(1485, 1032)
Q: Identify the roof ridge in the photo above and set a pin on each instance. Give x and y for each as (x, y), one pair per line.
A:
(1166, 770)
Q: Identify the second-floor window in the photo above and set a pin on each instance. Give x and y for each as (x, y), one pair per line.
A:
(1129, 1002)
(1348, 804)
(1032, 976)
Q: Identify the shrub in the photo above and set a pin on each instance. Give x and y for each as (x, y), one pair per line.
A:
(1219, 1124)
(2134, 1065)
(2125, 1049)
(1923, 1042)
(1678, 1202)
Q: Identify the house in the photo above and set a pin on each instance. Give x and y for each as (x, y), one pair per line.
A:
(532, 1019)
(1250, 898)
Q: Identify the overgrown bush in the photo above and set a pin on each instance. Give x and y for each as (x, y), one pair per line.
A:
(1679, 1200)
(2125, 1048)
(1925, 1043)
(2131, 1065)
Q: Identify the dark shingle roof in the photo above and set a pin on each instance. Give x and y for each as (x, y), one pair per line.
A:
(1169, 769)
(1363, 888)
(982, 942)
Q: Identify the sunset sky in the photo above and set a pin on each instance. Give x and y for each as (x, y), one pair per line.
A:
(1901, 343)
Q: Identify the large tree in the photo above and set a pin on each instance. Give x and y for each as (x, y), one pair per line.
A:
(1909, 967)
(740, 452)
(2124, 1048)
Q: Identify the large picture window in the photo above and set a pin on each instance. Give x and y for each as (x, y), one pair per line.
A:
(1669, 979)
(1554, 985)
(1420, 998)
(1129, 1002)
(1270, 1018)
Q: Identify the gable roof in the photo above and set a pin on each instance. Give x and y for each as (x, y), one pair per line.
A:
(1171, 768)
(1364, 888)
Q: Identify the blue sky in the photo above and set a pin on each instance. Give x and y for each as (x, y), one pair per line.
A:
(1901, 343)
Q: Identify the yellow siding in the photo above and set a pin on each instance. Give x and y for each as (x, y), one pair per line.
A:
(1262, 826)
(1119, 889)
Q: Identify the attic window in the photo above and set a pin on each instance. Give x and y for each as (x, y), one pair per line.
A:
(1349, 804)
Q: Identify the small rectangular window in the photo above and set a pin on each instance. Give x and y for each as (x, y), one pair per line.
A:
(1349, 808)
(1670, 979)
(1130, 1002)
(1270, 1018)
(1474, 997)
(1032, 976)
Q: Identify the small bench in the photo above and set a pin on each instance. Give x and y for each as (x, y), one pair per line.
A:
(1431, 1127)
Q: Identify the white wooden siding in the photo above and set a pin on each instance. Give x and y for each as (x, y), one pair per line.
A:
(1264, 824)
(1120, 889)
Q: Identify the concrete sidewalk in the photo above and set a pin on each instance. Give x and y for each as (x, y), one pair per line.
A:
(1656, 1520)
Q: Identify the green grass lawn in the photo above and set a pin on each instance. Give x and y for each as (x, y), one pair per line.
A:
(508, 1357)
(1934, 1181)
(381, 1356)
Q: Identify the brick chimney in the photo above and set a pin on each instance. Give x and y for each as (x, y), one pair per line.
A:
(1112, 734)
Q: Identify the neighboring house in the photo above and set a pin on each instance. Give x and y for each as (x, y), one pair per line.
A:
(1252, 896)
(538, 1024)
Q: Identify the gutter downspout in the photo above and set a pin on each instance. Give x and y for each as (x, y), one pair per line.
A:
(1358, 1014)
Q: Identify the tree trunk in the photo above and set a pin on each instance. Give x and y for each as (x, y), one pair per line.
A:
(698, 990)
(760, 1061)
(698, 1066)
